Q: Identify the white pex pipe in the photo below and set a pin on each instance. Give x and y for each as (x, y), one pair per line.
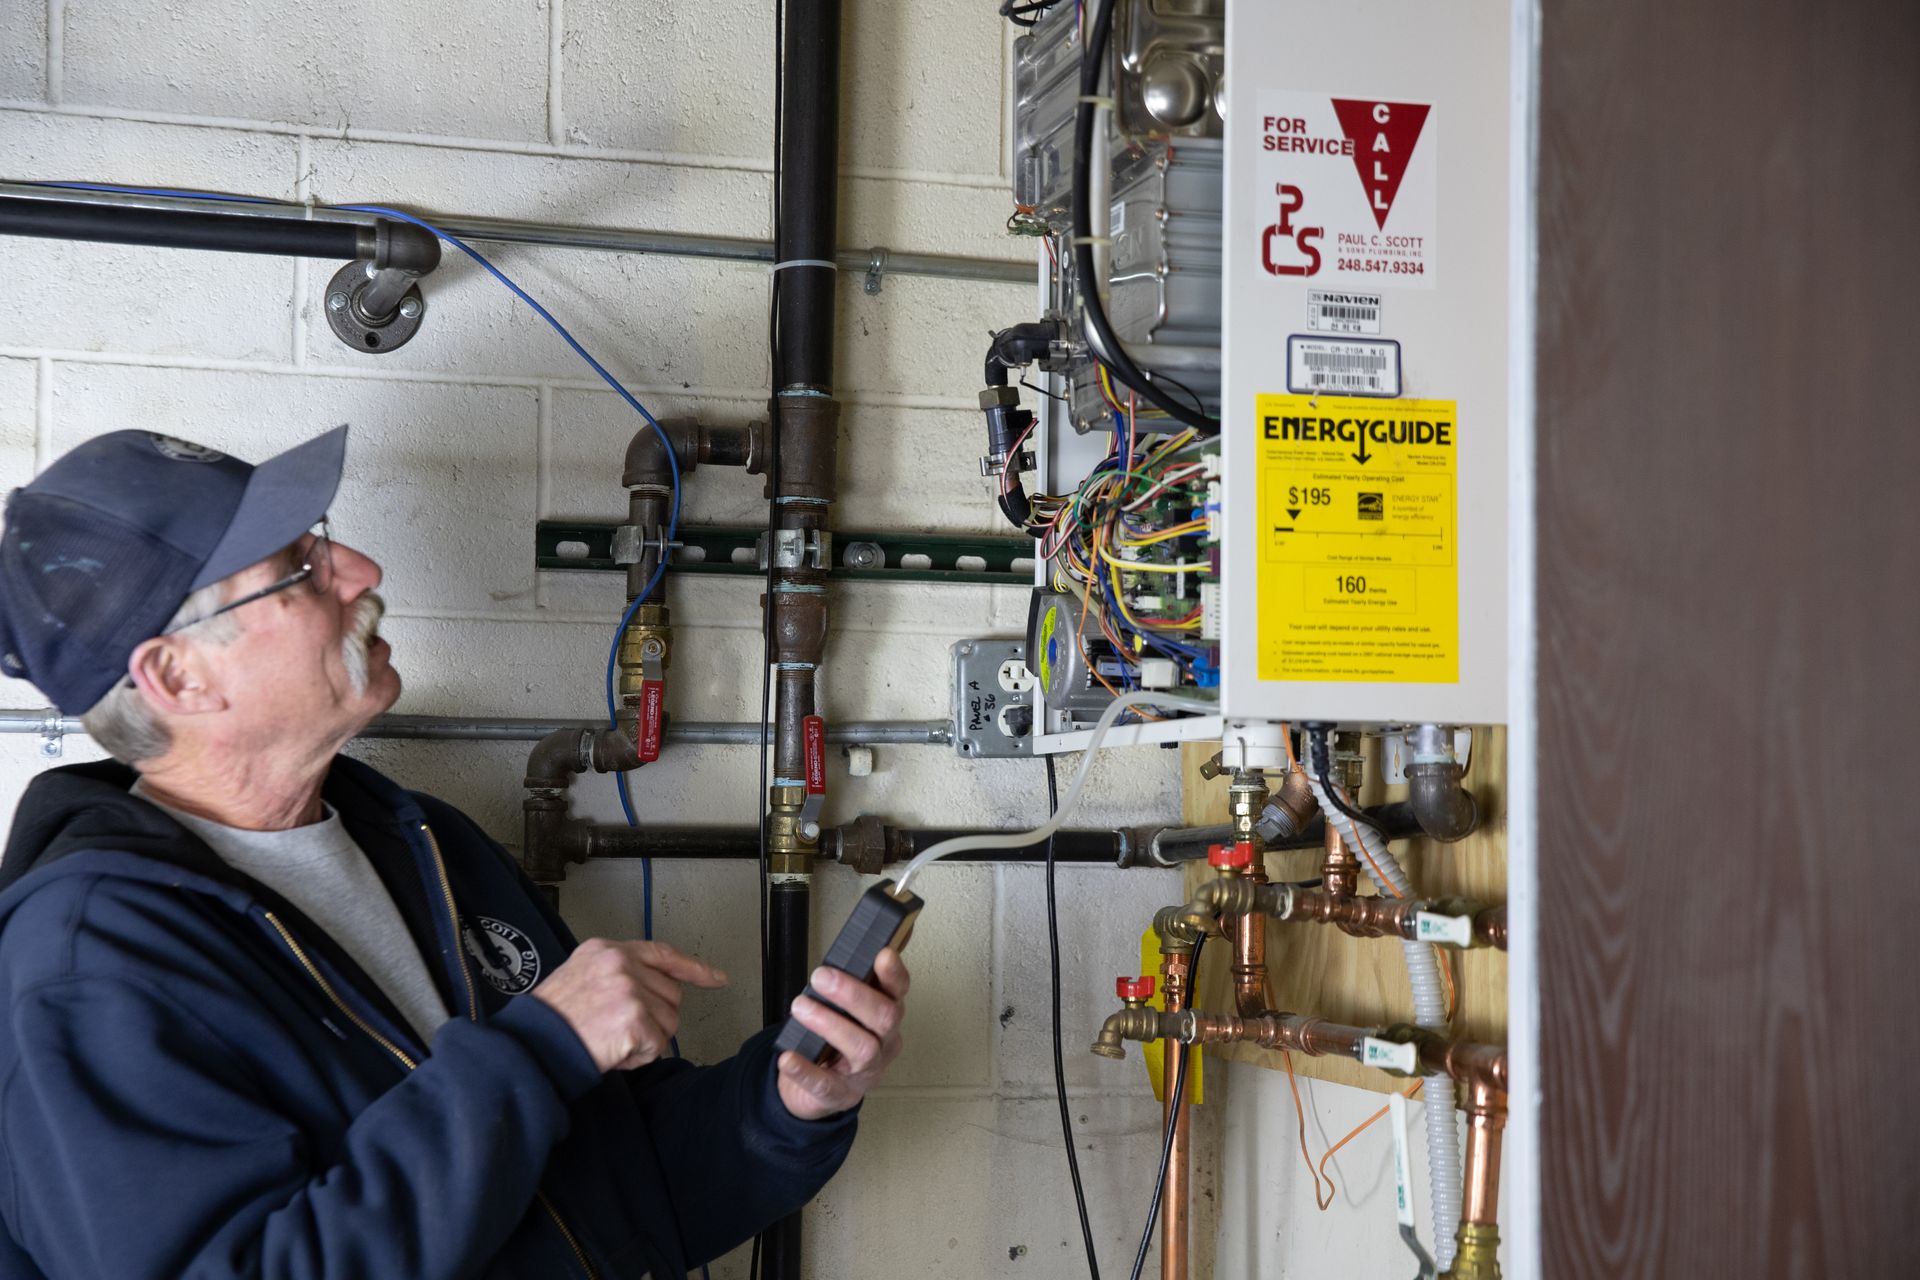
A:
(1429, 1010)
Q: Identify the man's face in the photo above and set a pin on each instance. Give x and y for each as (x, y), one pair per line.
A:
(308, 662)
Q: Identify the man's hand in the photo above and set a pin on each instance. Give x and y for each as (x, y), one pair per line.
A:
(867, 1041)
(623, 998)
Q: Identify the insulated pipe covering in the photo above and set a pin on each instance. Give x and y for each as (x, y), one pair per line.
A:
(1429, 1012)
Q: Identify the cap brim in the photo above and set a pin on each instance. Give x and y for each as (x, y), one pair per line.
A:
(285, 496)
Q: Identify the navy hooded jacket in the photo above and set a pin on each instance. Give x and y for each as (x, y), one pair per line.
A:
(196, 1082)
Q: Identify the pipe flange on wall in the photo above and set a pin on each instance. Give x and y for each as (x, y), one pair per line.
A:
(374, 310)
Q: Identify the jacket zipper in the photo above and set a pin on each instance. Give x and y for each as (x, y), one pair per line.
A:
(300, 954)
(473, 1014)
(579, 1254)
(453, 923)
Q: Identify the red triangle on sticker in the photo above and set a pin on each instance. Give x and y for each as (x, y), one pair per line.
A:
(1383, 136)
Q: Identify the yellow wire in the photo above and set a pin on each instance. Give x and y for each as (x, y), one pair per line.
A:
(1137, 566)
(1177, 531)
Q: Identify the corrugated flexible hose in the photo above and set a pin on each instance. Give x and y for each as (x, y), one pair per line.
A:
(1430, 1011)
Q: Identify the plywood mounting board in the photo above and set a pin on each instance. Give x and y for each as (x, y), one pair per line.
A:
(1315, 969)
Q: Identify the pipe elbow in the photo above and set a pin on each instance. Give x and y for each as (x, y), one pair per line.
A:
(558, 756)
(1177, 930)
(405, 247)
(1444, 809)
(651, 459)
(613, 751)
(1290, 810)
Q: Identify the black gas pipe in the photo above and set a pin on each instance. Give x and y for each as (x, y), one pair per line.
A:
(802, 488)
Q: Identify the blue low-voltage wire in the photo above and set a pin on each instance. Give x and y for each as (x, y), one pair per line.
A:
(673, 518)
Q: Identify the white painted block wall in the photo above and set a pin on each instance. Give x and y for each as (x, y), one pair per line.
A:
(651, 116)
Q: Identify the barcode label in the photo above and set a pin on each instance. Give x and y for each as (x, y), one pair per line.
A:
(1343, 312)
(1355, 368)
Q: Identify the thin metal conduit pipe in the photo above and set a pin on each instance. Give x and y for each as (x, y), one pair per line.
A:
(571, 236)
(872, 733)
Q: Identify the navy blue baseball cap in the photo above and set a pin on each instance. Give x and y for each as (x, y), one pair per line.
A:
(102, 549)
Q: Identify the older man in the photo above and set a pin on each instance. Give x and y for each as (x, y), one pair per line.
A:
(267, 1013)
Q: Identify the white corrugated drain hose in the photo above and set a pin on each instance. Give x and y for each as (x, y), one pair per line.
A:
(1430, 1011)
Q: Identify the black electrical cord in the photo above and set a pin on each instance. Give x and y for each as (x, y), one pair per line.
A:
(1059, 1057)
(1176, 1090)
(1320, 759)
(1025, 13)
(1112, 354)
(1183, 389)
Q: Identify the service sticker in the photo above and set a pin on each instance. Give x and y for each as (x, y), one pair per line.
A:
(1346, 191)
(1358, 577)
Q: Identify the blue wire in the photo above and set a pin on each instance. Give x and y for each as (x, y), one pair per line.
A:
(152, 191)
(673, 518)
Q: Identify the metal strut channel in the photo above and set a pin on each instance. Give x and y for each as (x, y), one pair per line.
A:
(857, 557)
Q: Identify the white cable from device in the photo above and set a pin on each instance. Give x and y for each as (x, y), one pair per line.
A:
(1430, 1011)
(1023, 839)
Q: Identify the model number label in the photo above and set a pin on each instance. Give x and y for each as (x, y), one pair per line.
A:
(1353, 367)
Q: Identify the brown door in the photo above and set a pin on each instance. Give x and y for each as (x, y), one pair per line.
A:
(1729, 637)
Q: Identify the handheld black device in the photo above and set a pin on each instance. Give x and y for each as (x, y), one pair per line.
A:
(882, 918)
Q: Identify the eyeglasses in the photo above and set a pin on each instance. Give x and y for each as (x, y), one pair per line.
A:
(317, 568)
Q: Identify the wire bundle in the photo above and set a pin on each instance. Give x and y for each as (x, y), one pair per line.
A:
(1108, 530)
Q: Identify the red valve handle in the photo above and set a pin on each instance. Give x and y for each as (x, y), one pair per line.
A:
(814, 736)
(1134, 988)
(653, 706)
(1226, 857)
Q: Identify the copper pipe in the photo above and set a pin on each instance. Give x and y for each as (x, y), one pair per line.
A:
(1339, 869)
(1247, 802)
(1250, 994)
(1486, 1118)
(1377, 917)
(1362, 917)
(1174, 1202)
(1470, 1063)
(1477, 1252)
(1175, 969)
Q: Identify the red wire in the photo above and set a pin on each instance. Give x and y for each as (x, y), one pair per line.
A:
(1012, 467)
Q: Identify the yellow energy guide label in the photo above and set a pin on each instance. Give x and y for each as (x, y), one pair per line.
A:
(1358, 575)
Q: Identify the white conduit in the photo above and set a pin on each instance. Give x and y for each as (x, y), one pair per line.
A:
(1429, 1010)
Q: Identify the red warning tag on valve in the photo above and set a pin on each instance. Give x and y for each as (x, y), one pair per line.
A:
(814, 729)
(653, 706)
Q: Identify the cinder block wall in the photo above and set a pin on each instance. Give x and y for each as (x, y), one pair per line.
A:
(651, 116)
